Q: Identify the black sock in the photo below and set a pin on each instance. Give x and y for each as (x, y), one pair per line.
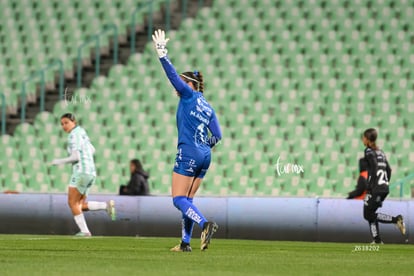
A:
(377, 239)
(183, 244)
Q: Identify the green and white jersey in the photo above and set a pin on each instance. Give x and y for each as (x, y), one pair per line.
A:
(79, 141)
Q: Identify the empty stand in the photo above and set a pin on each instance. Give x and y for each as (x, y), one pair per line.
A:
(294, 81)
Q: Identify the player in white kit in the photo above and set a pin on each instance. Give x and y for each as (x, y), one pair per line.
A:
(83, 176)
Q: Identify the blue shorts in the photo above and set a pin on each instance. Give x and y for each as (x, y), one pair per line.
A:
(192, 163)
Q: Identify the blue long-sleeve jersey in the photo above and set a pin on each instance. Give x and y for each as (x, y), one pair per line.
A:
(195, 116)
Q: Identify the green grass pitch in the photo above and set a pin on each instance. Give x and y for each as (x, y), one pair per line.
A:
(64, 255)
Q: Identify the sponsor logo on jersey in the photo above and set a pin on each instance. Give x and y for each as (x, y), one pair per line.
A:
(200, 117)
(200, 135)
(382, 164)
(204, 106)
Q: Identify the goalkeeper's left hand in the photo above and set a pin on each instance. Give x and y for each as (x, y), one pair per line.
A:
(160, 42)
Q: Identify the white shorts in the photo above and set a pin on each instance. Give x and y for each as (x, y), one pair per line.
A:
(82, 182)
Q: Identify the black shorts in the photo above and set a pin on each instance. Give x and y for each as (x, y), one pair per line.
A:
(374, 201)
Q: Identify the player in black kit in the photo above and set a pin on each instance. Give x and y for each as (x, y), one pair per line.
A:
(379, 174)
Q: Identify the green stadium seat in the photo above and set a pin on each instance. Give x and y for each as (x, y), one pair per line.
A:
(59, 176)
(305, 95)
(12, 177)
(48, 31)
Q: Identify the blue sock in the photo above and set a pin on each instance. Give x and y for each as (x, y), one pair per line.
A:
(187, 226)
(189, 210)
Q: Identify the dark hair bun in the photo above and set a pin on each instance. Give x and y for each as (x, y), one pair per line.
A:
(69, 116)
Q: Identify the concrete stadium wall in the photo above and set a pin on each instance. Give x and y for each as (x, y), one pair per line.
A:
(302, 219)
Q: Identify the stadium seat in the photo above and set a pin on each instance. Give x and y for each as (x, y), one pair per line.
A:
(12, 177)
(38, 32)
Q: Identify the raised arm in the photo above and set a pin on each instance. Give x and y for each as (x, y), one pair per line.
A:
(160, 44)
(179, 85)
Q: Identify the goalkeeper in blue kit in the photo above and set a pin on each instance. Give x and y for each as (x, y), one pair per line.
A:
(195, 120)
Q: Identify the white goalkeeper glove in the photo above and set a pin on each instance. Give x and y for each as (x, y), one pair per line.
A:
(160, 43)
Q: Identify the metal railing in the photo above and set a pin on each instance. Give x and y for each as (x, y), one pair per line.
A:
(401, 183)
(148, 5)
(140, 7)
(3, 114)
(97, 39)
(41, 73)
